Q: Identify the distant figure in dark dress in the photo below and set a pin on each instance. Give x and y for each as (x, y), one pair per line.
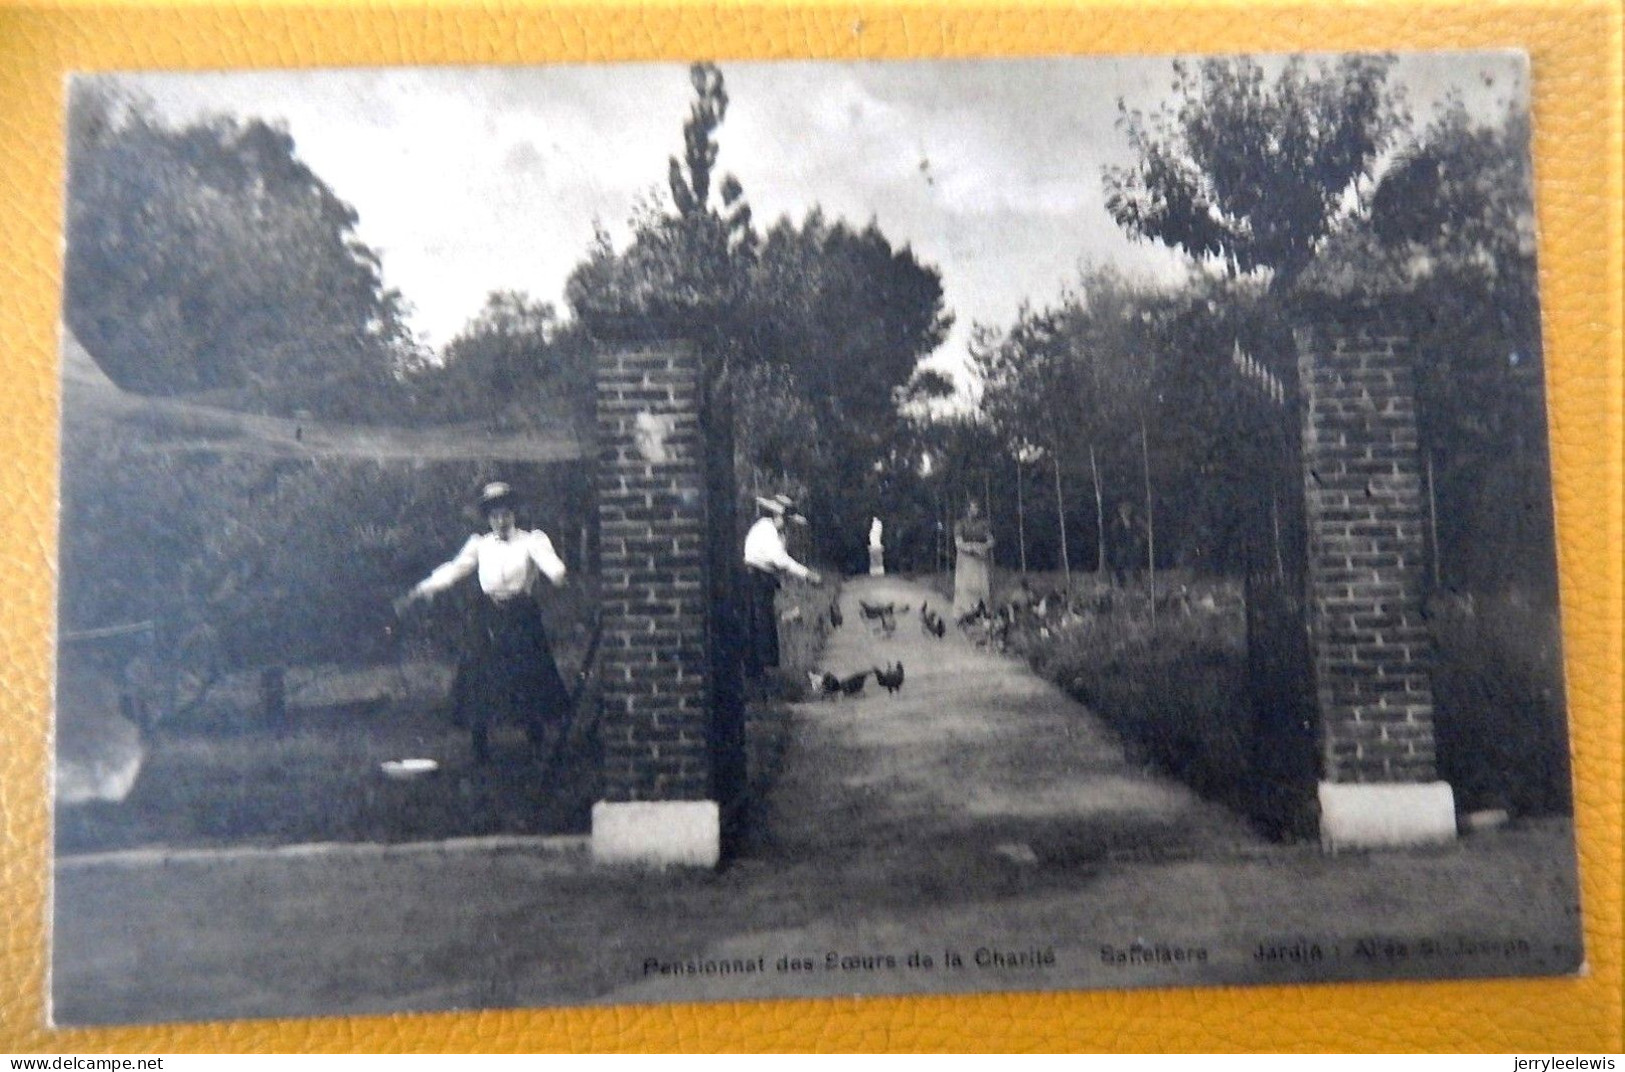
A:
(508, 666)
(973, 540)
(1126, 543)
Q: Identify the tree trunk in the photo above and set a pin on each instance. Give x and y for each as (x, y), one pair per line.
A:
(1060, 512)
(1021, 519)
(1100, 516)
(1275, 529)
(938, 564)
(987, 506)
(1150, 523)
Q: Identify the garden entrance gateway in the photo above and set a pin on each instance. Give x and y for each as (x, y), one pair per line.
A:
(1342, 738)
(1338, 652)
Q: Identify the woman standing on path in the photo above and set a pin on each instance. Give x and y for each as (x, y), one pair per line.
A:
(973, 539)
(509, 665)
(766, 560)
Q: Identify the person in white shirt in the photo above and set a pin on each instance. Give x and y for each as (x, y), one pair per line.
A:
(508, 666)
(767, 559)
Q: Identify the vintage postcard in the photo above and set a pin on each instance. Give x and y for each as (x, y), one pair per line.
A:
(560, 536)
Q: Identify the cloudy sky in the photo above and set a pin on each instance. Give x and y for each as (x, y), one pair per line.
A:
(474, 179)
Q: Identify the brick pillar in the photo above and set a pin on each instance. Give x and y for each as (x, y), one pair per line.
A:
(654, 658)
(1371, 646)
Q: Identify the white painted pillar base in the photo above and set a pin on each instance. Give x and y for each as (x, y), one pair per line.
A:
(657, 833)
(1386, 816)
(877, 561)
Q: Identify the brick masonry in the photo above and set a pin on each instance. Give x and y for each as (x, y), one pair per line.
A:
(1363, 488)
(654, 660)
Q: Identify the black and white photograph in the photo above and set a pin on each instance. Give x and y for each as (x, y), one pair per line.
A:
(728, 531)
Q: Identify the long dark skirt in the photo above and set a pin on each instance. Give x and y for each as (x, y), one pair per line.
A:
(761, 622)
(508, 672)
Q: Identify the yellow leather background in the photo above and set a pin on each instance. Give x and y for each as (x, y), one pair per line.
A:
(1576, 55)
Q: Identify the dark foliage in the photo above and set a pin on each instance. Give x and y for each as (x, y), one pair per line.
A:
(515, 365)
(209, 258)
(284, 562)
(1252, 172)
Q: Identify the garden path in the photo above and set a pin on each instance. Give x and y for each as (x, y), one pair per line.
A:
(975, 747)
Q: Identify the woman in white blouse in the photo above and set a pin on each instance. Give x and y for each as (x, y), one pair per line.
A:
(766, 560)
(509, 665)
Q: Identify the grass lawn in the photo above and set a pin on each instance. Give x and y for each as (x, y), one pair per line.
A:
(317, 777)
(1177, 688)
(226, 778)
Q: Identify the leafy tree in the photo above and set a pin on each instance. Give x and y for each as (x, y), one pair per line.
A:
(690, 178)
(514, 365)
(1262, 175)
(1250, 172)
(1452, 230)
(779, 434)
(1124, 399)
(1029, 396)
(684, 265)
(1102, 326)
(928, 385)
(818, 328)
(848, 313)
(210, 258)
(1463, 193)
(849, 317)
(1211, 412)
(507, 340)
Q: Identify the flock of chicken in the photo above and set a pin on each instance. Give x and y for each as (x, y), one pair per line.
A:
(882, 620)
(1023, 611)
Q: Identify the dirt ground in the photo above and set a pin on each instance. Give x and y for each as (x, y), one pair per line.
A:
(976, 831)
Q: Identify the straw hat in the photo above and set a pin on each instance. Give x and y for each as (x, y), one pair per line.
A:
(781, 506)
(495, 494)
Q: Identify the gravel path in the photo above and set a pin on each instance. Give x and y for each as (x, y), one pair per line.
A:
(975, 749)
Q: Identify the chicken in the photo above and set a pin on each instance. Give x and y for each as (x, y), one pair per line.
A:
(875, 611)
(851, 686)
(1052, 604)
(931, 623)
(827, 684)
(890, 680)
(974, 614)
